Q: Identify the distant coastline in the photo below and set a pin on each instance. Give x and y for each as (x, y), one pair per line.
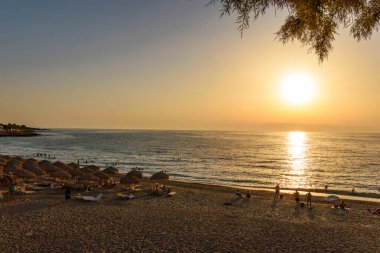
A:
(14, 130)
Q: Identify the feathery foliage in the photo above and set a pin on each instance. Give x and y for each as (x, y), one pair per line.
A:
(314, 23)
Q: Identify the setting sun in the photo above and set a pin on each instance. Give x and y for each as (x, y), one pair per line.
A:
(297, 88)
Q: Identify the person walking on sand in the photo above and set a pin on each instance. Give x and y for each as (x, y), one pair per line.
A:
(308, 199)
(277, 191)
(297, 198)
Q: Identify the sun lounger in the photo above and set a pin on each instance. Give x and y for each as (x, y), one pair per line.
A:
(373, 211)
(340, 208)
(126, 196)
(92, 198)
(76, 197)
(29, 192)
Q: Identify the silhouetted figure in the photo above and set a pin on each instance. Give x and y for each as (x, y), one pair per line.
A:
(308, 199)
(277, 192)
(68, 193)
(248, 194)
(297, 197)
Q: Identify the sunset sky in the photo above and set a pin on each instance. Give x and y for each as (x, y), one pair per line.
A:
(172, 64)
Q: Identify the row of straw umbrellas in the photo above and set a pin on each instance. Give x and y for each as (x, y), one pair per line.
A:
(19, 169)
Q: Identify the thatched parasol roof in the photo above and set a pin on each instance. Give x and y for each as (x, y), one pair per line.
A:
(62, 166)
(31, 160)
(111, 170)
(88, 178)
(3, 161)
(92, 169)
(135, 173)
(129, 180)
(75, 172)
(32, 166)
(73, 165)
(2, 165)
(103, 175)
(61, 174)
(160, 176)
(11, 179)
(12, 164)
(25, 175)
(18, 158)
(5, 157)
(47, 166)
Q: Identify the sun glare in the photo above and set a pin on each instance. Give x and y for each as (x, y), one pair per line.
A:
(297, 89)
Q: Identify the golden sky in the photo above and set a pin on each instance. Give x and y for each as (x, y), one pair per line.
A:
(172, 65)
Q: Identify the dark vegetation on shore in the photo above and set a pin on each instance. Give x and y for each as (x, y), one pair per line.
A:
(17, 130)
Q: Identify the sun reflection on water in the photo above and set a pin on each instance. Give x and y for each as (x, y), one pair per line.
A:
(296, 146)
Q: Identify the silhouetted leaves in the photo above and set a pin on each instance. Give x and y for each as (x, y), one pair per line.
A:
(312, 22)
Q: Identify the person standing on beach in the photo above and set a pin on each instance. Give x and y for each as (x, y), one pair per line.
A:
(277, 191)
(248, 195)
(297, 198)
(68, 193)
(308, 199)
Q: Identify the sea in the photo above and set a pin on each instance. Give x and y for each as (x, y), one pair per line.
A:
(295, 160)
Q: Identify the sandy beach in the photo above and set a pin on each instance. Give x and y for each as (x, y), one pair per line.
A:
(194, 220)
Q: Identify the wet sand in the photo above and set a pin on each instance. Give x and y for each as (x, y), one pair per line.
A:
(194, 220)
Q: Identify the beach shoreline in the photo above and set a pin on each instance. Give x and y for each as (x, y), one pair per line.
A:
(366, 197)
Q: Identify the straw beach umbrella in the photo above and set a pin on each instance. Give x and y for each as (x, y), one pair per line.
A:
(3, 161)
(62, 166)
(32, 166)
(73, 165)
(14, 167)
(135, 173)
(92, 169)
(160, 176)
(76, 172)
(47, 166)
(88, 178)
(111, 170)
(18, 158)
(60, 174)
(9, 179)
(31, 160)
(27, 176)
(103, 176)
(12, 164)
(129, 180)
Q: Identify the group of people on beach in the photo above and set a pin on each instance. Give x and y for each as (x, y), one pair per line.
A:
(241, 196)
(296, 194)
(160, 189)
